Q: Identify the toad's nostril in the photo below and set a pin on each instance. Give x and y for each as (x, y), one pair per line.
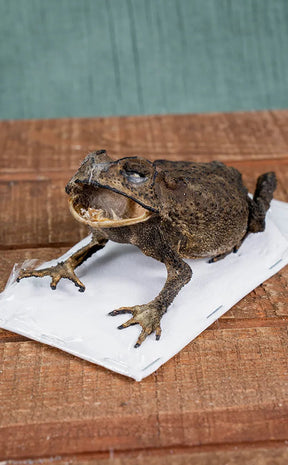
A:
(68, 188)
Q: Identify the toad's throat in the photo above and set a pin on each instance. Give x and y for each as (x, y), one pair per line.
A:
(102, 208)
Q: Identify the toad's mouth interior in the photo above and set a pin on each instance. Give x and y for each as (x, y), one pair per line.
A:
(102, 207)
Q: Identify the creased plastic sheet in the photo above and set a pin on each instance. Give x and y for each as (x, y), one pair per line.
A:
(120, 275)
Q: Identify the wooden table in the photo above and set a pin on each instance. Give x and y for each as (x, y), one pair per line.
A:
(224, 398)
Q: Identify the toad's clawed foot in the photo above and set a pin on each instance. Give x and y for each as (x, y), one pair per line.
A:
(148, 316)
(61, 270)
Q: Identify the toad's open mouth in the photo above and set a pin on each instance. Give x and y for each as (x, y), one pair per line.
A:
(104, 208)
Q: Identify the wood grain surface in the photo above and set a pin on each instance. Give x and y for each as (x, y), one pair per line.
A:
(224, 398)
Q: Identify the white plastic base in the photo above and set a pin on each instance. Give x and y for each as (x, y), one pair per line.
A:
(120, 275)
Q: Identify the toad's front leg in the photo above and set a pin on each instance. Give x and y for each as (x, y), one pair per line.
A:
(66, 268)
(149, 315)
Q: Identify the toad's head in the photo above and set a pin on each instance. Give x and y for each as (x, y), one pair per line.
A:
(106, 193)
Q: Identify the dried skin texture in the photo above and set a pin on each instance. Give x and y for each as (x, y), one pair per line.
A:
(170, 210)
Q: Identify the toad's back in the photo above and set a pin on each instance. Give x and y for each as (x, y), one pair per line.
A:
(207, 204)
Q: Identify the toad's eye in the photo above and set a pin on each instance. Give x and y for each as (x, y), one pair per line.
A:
(134, 177)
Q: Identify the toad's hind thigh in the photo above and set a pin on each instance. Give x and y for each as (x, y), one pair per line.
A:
(235, 249)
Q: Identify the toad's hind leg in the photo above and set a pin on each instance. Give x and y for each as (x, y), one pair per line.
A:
(219, 257)
(66, 268)
(258, 206)
(223, 255)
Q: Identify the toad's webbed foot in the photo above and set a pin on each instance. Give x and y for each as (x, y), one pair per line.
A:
(61, 270)
(66, 269)
(148, 316)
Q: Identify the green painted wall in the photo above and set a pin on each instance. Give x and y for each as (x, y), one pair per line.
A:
(115, 57)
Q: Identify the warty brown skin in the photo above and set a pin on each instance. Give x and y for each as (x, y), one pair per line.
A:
(187, 210)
